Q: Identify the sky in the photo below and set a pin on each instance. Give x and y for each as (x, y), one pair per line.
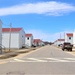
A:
(45, 19)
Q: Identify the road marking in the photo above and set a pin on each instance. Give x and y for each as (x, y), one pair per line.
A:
(44, 60)
(19, 60)
(59, 60)
(34, 59)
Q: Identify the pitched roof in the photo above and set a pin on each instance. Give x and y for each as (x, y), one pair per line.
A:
(69, 34)
(28, 35)
(37, 40)
(12, 29)
(59, 40)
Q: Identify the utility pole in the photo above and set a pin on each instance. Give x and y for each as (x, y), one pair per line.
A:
(64, 36)
(10, 37)
(0, 36)
(0, 32)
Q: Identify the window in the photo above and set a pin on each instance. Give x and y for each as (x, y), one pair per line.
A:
(27, 38)
(69, 38)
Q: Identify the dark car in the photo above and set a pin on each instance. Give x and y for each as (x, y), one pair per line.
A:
(67, 46)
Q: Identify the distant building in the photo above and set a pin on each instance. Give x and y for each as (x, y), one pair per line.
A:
(46, 43)
(28, 40)
(0, 32)
(17, 37)
(59, 41)
(69, 37)
(38, 42)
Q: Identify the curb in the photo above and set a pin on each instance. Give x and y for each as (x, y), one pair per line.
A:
(15, 53)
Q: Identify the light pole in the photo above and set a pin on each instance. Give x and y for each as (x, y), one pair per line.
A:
(1, 35)
(10, 37)
(60, 38)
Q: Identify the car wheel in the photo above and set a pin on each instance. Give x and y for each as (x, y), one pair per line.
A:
(63, 49)
(70, 49)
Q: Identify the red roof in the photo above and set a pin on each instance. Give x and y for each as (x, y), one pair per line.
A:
(37, 40)
(28, 35)
(61, 39)
(12, 29)
(69, 34)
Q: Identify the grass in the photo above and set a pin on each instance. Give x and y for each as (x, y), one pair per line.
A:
(9, 54)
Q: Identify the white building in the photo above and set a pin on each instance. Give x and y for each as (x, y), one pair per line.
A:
(74, 38)
(16, 39)
(59, 41)
(0, 32)
(38, 42)
(69, 37)
(28, 40)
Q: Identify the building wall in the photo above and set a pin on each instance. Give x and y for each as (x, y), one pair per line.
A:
(29, 42)
(38, 43)
(14, 40)
(67, 39)
(0, 33)
(74, 38)
(58, 42)
(21, 38)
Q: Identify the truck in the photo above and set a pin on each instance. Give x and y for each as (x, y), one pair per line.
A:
(67, 46)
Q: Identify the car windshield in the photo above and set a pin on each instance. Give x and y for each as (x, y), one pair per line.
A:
(66, 43)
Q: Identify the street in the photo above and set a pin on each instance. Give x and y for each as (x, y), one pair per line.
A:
(47, 60)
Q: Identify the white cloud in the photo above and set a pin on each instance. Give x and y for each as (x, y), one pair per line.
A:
(47, 36)
(49, 8)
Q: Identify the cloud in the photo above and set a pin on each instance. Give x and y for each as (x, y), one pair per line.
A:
(48, 8)
(38, 34)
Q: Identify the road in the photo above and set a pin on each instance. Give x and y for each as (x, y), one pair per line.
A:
(47, 60)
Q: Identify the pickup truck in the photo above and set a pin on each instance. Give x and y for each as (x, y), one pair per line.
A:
(67, 46)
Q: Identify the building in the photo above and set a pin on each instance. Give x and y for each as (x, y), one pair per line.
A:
(46, 43)
(13, 37)
(74, 38)
(69, 37)
(0, 33)
(28, 40)
(38, 42)
(59, 42)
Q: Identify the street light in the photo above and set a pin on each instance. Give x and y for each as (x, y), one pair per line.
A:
(10, 37)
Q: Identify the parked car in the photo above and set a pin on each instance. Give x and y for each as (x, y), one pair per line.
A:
(68, 46)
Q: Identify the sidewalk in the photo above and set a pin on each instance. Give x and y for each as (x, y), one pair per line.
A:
(14, 53)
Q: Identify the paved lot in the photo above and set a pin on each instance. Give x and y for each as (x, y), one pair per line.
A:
(47, 60)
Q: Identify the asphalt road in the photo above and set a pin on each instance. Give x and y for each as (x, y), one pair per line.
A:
(47, 60)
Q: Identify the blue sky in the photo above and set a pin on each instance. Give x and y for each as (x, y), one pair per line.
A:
(45, 19)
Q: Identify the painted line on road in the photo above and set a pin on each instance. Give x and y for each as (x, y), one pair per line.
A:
(59, 60)
(19, 56)
(43, 60)
(34, 59)
(19, 60)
